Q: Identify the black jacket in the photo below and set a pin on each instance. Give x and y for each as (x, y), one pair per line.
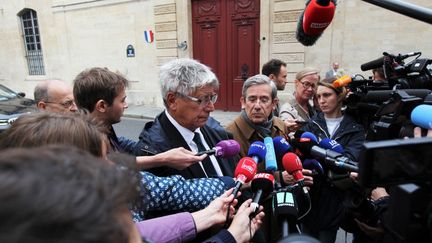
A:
(161, 135)
(327, 200)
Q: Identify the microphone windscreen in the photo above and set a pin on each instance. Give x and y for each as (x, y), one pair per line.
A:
(314, 20)
(293, 165)
(227, 148)
(342, 81)
(331, 144)
(422, 116)
(281, 146)
(313, 165)
(302, 37)
(246, 169)
(303, 146)
(379, 62)
(264, 182)
(270, 157)
(257, 149)
(309, 135)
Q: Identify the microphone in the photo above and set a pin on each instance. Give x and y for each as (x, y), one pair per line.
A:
(244, 172)
(331, 144)
(342, 81)
(314, 20)
(257, 151)
(309, 147)
(281, 147)
(270, 157)
(314, 166)
(293, 165)
(224, 149)
(422, 116)
(309, 135)
(379, 62)
(262, 186)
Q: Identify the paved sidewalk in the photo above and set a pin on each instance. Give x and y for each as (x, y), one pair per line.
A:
(150, 112)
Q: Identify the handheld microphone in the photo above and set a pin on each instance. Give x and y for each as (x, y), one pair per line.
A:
(308, 147)
(262, 186)
(309, 135)
(224, 149)
(342, 81)
(314, 20)
(331, 144)
(257, 151)
(270, 157)
(422, 116)
(293, 165)
(314, 166)
(244, 172)
(281, 147)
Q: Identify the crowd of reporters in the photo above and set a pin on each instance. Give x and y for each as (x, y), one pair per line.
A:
(181, 172)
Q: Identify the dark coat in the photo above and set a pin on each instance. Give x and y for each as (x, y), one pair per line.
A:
(160, 135)
(327, 200)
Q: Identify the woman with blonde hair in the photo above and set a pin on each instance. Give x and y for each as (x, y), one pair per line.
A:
(299, 109)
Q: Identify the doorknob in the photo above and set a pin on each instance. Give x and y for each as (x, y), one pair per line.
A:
(244, 71)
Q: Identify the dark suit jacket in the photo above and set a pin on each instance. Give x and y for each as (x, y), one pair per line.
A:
(161, 135)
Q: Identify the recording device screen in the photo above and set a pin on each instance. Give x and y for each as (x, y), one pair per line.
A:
(396, 161)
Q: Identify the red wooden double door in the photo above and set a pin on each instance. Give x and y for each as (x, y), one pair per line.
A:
(226, 38)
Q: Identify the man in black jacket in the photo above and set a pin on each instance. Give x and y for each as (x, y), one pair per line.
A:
(189, 91)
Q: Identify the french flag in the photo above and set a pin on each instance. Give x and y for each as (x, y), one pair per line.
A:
(148, 36)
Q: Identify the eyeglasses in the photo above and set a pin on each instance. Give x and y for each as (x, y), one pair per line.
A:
(66, 104)
(308, 85)
(204, 100)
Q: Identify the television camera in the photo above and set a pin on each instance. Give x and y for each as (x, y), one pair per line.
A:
(384, 107)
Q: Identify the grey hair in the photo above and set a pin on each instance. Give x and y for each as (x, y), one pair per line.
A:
(257, 80)
(185, 76)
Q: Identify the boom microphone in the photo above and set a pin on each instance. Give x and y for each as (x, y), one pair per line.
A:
(224, 149)
(422, 116)
(244, 172)
(257, 151)
(262, 186)
(379, 62)
(314, 20)
(270, 157)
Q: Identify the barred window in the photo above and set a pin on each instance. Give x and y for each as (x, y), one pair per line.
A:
(32, 42)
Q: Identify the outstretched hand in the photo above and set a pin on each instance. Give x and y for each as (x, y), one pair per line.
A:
(215, 213)
(179, 158)
(243, 227)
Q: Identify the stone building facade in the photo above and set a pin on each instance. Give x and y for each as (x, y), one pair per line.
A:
(78, 34)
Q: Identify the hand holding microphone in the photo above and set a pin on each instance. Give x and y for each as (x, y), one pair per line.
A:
(244, 172)
(293, 165)
(262, 185)
(224, 149)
